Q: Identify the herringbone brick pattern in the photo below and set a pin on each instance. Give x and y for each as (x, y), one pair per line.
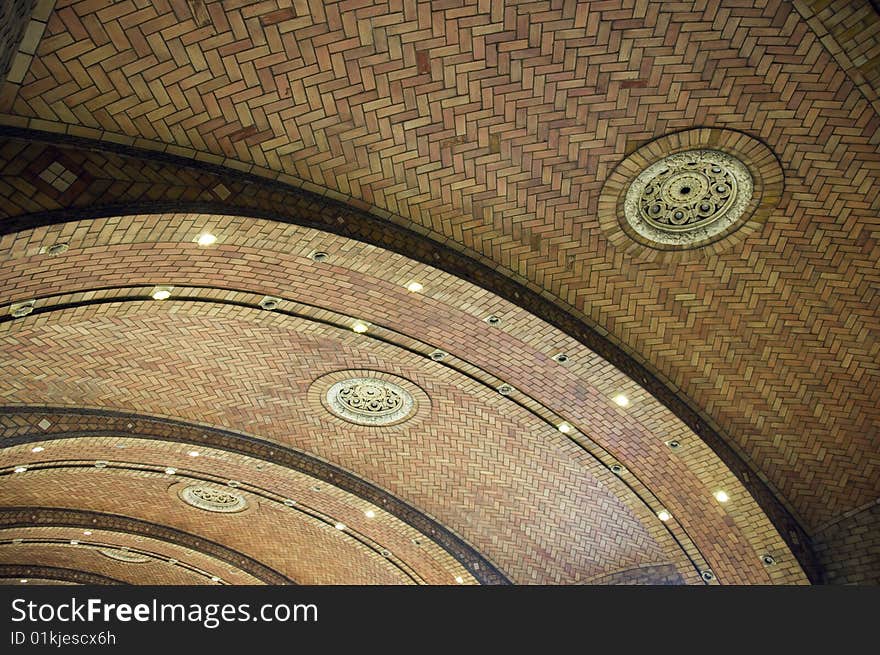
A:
(850, 548)
(316, 511)
(358, 281)
(652, 575)
(494, 126)
(261, 470)
(849, 29)
(82, 558)
(195, 564)
(500, 138)
(299, 549)
(483, 469)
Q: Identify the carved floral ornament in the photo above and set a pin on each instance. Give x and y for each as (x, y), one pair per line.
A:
(688, 196)
(705, 188)
(213, 499)
(369, 401)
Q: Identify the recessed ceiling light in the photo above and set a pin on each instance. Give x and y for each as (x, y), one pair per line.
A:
(289, 502)
(20, 469)
(340, 526)
(360, 327)
(459, 579)
(193, 453)
(493, 320)
(319, 256)
(562, 358)
(87, 532)
(621, 400)
(415, 287)
(58, 248)
(565, 428)
(37, 449)
(270, 302)
(663, 515)
(23, 581)
(505, 389)
(721, 496)
(206, 239)
(74, 542)
(161, 293)
(170, 471)
(21, 309)
(214, 578)
(370, 514)
(438, 355)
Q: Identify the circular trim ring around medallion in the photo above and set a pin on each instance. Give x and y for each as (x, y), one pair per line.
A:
(369, 398)
(213, 499)
(369, 401)
(121, 555)
(748, 170)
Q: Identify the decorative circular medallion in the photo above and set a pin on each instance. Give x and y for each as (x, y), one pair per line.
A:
(213, 499)
(689, 196)
(687, 190)
(124, 555)
(369, 401)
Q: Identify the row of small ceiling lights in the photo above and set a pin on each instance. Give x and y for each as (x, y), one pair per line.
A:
(170, 470)
(164, 293)
(361, 327)
(88, 533)
(339, 525)
(206, 239)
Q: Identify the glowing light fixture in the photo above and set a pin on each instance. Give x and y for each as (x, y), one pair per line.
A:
(161, 293)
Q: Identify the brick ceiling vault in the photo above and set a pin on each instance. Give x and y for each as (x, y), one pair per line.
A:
(470, 143)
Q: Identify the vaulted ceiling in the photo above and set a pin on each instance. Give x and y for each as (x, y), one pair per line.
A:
(339, 152)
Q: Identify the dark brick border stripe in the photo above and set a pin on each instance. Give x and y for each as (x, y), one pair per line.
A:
(97, 300)
(55, 573)
(29, 517)
(300, 207)
(147, 427)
